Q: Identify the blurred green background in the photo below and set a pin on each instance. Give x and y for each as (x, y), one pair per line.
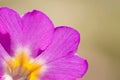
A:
(98, 21)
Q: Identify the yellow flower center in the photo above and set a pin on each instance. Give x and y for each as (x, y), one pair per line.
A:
(21, 67)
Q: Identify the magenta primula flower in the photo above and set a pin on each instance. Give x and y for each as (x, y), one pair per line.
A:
(32, 49)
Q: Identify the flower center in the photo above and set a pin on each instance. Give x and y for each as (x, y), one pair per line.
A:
(21, 67)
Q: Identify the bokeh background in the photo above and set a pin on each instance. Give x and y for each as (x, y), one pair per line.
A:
(98, 21)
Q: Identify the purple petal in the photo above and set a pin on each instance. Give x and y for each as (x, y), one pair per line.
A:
(3, 54)
(38, 31)
(65, 43)
(10, 29)
(1, 68)
(66, 68)
(3, 57)
(6, 41)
